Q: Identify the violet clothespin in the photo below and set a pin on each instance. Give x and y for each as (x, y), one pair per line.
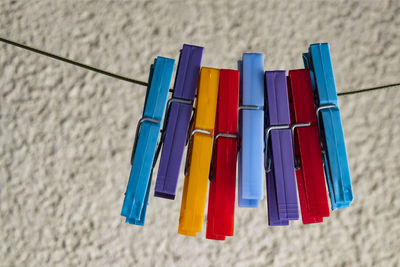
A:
(176, 123)
(279, 161)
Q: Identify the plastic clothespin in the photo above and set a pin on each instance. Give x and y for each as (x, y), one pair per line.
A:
(144, 148)
(199, 154)
(221, 200)
(176, 124)
(337, 172)
(308, 158)
(281, 183)
(251, 129)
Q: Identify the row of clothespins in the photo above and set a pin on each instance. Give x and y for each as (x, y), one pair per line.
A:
(287, 127)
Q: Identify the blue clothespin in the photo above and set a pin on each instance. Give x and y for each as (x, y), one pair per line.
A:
(336, 166)
(251, 130)
(144, 148)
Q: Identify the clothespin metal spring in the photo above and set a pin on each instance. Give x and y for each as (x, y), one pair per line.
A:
(246, 107)
(163, 130)
(294, 126)
(225, 135)
(268, 160)
(138, 128)
(192, 133)
(252, 107)
(323, 140)
(320, 108)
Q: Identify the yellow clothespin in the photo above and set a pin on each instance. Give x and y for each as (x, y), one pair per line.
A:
(199, 154)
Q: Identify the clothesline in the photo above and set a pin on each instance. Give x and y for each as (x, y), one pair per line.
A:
(135, 81)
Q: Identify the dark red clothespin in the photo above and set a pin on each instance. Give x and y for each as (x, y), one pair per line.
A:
(307, 146)
(221, 200)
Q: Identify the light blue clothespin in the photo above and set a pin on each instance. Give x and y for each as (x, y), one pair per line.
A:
(336, 166)
(144, 148)
(251, 130)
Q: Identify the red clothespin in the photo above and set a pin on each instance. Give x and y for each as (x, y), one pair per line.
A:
(307, 146)
(221, 200)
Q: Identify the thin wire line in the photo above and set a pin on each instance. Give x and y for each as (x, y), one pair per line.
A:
(127, 79)
(351, 92)
(73, 62)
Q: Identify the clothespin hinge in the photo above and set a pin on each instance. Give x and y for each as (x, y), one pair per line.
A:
(294, 126)
(225, 135)
(192, 133)
(246, 107)
(268, 158)
(164, 130)
(138, 128)
(319, 109)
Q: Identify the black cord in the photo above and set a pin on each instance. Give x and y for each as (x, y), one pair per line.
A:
(124, 78)
(351, 92)
(76, 63)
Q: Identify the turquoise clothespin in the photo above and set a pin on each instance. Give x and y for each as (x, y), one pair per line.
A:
(336, 166)
(144, 148)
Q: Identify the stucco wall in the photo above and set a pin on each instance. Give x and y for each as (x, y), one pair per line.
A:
(66, 133)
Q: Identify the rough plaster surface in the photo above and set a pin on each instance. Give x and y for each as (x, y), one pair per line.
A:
(66, 133)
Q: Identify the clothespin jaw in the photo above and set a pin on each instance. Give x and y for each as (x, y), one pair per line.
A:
(176, 124)
(251, 128)
(199, 154)
(280, 174)
(221, 201)
(309, 173)
(331, 130)
(137, 193)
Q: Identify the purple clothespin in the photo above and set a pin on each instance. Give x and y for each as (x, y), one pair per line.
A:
(176, 124)
(279, 162)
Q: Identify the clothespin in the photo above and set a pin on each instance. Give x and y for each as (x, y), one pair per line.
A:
(308, 159)
(144, 148)
(281, 184)
(221, 200)
(199, 154)
(337, 172)
(251, 129)
(176, 124)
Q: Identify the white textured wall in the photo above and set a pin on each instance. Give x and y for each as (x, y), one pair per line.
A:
(66, 133)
